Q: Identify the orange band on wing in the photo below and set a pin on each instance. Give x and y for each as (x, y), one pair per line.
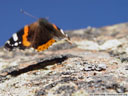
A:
(55, 26)
(24, 37)
(46, 45)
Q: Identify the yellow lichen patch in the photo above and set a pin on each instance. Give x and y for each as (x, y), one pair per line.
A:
(46, 45)
(24, 37)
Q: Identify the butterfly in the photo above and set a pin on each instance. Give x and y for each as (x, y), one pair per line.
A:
(39, 35)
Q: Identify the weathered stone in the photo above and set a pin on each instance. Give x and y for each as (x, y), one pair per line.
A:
(96, 62)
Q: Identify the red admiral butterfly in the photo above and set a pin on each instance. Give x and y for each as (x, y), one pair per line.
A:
(38, 35)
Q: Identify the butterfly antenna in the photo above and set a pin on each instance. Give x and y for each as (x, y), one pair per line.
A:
(28, 14)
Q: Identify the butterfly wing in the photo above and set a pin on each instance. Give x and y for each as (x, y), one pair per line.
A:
(43, 37)
(15, 41)
(33, 35)
(38, 35)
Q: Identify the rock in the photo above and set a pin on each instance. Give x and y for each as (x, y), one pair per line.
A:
(110, 44)
(87, 45)
(93, 67)
(101, 67)
(96, 62)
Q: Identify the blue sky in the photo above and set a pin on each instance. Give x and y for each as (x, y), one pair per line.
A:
(67, 14)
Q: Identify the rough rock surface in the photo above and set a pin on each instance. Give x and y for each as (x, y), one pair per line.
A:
(96, 62)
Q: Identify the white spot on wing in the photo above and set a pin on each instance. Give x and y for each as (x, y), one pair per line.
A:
(19, 42)
(63, 33)
(15, 37)
(16, 44)
(61, 30)
(8, 42)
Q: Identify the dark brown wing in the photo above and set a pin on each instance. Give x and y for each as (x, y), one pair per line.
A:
(33, 35)
(40, 37)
